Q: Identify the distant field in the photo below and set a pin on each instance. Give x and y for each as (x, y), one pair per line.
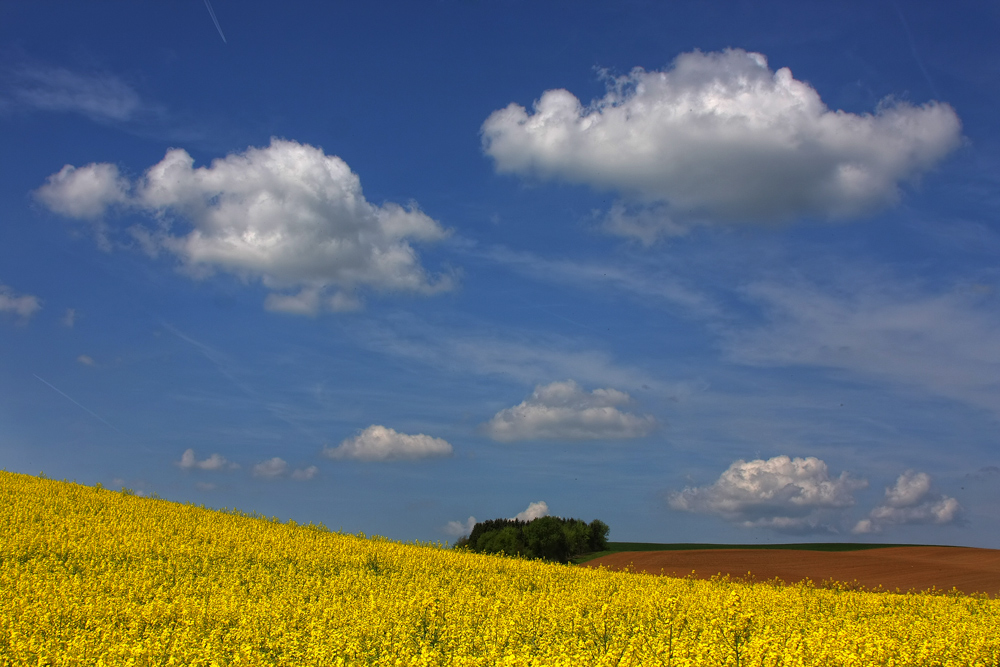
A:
(871, 566)
(618, 547)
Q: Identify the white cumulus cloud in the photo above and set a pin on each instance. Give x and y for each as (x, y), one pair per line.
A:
(722, 135)
(782, 493)
(564, 411)
(303, 474)
(378, 443)
(460, 528)
(910, 501)
(277, 467)
(271, 468)
(24, 305)
(286, 214)
(533, 511)
(84, 192)
(214, 462)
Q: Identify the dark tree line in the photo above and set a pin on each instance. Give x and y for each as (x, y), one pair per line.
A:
(549, 538)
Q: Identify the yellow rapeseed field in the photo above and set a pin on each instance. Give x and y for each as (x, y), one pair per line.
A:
(96, 577)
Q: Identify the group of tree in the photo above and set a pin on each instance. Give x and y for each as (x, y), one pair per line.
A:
(549, 538)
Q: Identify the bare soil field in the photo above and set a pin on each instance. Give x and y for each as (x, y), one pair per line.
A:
(904, 568)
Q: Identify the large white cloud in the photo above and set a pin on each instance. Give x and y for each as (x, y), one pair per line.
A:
(25, 305)
(378, 443)
(910, 501)
(782, 493)
(721, 135)
(564, 411)
(286, 214)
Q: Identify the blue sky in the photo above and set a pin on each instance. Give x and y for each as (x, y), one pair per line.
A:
(721, 273)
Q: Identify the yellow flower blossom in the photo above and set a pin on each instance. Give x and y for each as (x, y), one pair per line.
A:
(95, 577)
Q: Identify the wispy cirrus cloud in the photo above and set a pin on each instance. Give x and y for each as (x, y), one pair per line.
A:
(646, 282)
(524, 356)
(99, 96)
(943, 342)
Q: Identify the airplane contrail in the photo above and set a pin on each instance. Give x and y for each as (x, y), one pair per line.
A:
(70, 398)
(211, 12)
(222, 365)
(914, 53)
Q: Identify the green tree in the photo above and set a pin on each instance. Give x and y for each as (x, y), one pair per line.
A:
(546, 539)
(506, 540)
(598, 535)
(550, 538)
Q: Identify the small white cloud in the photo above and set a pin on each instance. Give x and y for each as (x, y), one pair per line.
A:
(87, 361)
(271, 468)
(303, 474)
(378, 443)
(910, 501)
(287, 215)
(305, 302)
(84, 192)
(25, 305)
(534, 511)
(564, 411)
(310, 300)
(781, 493)
(214, 462)
(721, 135)
(69, 319)
(205, 486)
(646, 224)
(101, 97)
(276, 467)
(460, 528)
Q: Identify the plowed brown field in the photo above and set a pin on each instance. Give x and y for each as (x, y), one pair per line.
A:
(920, 568)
